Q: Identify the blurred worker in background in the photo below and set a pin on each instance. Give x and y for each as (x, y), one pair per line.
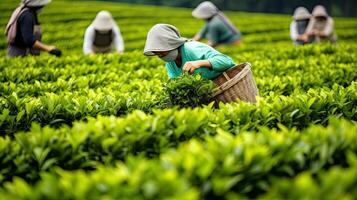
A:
(218, 29)
(299, 25)
(102, 35)
(24, 33)
(321, 26)
(180, 54)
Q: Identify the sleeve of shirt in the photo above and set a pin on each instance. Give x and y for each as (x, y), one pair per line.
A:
(170, 71)
(293, 31)
(329, 27)
(203, 32)
(26, 25)
(219, 61)
(88, 40)
(214, 33)
(118, 40)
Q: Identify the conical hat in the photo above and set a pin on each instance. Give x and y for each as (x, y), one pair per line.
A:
(205, 10)
(34, 3)
(103, 21)
(301, 13)
(319, 11)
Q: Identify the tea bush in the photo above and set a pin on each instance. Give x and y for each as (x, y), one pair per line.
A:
(114, 127)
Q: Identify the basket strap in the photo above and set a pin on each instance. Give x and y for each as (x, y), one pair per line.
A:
(226, 76)
(234, 80)
(219, 89)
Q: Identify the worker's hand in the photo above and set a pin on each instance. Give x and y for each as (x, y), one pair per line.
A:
(56, 52)
(320, 34)
(191, 66)
(312, 33)
(90, 54)
(211, 43)
(50, 48)
(303, 37)
(197, 37)
(300, 38)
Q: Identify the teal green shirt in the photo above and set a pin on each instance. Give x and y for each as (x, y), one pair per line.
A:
(219, 32)
(192, 51)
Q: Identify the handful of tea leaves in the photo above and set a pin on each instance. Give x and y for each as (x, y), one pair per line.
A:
(187, 91)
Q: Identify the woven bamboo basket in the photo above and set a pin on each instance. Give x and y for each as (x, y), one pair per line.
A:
(235, 84)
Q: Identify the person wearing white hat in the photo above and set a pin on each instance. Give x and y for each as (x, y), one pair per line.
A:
(218, 29)
(299, 25)
(321, 26)
(23, 30)
(180, 54)
(102, 35)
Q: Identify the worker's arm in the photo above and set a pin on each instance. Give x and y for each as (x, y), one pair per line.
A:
(118, 40)
(202, 34)
(328, 29)
(192, 65)
(48, 48)
(88, 41)
(212, 44)
(43, 47)
(197, 37)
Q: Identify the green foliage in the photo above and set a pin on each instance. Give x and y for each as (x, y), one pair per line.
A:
(60, 91)
(307, 186)
(219, 167)
(105, 140)
(187, 91)
(113, 126)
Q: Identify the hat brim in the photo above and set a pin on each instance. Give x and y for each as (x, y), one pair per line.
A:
(321, 15)
(38, 3)
(103, 26)
(302, 17)
(150, 52)
(200, 15)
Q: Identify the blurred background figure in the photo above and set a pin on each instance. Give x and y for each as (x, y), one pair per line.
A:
(23, 30)
(321, 26)
(218, 29)
(299, 25)
(102, 35)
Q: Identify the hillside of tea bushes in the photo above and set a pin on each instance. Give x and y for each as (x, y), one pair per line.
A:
(80, 127)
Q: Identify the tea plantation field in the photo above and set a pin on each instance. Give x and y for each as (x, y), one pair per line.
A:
(99, 127)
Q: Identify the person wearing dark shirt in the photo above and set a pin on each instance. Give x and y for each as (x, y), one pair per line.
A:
(299, 25)
(24, 33)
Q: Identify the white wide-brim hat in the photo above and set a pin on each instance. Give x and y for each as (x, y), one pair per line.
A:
(205, 10)
(103, 21)
(301, 13)
(34, 3)
(319, 11)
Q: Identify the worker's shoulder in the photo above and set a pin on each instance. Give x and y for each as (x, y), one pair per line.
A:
(330, 20)
(27, 14)
(215, 22)
(192, 45)
(90, 29)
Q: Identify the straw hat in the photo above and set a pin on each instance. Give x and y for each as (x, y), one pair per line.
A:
(319, 11)
(205, 10)
(35, 2)
(301, 13)
(103, 21)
